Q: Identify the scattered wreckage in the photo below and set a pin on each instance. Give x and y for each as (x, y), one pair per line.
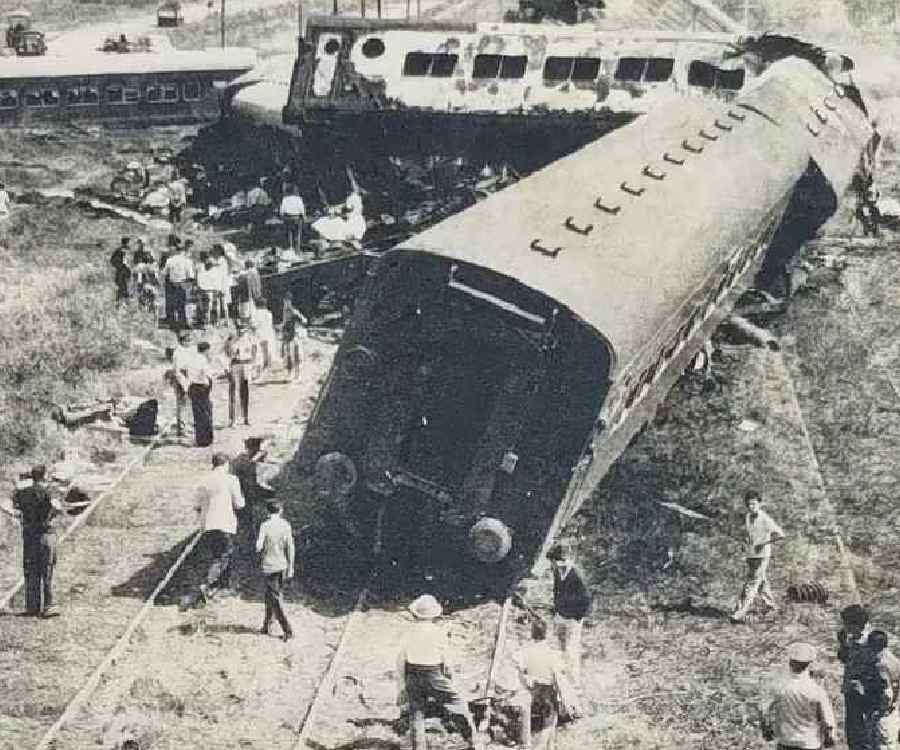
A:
(500, 361)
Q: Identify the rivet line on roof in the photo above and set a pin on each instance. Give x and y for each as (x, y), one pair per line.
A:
(707, 136)
(672, 160)
(723, 126)
(630, 190)
(693, 149)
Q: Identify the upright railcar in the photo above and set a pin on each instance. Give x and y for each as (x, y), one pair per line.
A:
(500, 361)
(147, 87)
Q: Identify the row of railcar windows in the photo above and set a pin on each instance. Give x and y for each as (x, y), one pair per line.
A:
(738, 265)
(559, 69)
(83, 96)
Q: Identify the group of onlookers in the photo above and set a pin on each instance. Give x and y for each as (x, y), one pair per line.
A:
(248, 352)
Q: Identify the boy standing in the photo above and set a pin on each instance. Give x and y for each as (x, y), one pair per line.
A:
(275, 543)
(762, 531)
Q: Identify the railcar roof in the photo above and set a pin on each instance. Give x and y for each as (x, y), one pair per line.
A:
(646, 255)
(112, 63)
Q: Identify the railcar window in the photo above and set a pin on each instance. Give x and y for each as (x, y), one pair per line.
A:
(443, 65)
(499, 66)
(630, 68)
(701, 74)
(730, 80)
(586, 69)
(9, 98)
(41, 97)
(78, 96)
(170, 93)
(191, 91)
(332, 46)
(659, 69)
(423, 64)
(114, 95)
(132, 96)
(153, 94)
(417, 64)
(558, 68)
(513, 66)
(486, 66)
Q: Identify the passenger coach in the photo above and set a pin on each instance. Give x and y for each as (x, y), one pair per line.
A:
(503, 359)
(176, 86)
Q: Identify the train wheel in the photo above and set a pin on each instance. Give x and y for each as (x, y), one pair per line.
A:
(490, 540)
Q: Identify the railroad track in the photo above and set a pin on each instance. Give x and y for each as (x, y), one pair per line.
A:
(126, 549)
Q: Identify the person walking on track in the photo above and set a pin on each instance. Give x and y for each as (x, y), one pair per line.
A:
(200, 376)
(540, 669)
(800, 716)
(35, 509)
(240, 348)
(275, 544)
(423, 673)
(571, 602)
(762, 532)
(218, 497)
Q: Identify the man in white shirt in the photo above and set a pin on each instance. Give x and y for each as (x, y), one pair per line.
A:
(201, 372)
(422, 672)
(209, 283)
(180, 356)
(540, 668)
(293, 214)
(217, 499)
(264, 332)
(800, 716)
(177, 200)
(762, 532)
(275, 544)
(179, 272)
(240, 349)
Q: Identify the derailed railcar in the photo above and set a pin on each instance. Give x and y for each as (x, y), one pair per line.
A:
(144, 87)
(501, 360)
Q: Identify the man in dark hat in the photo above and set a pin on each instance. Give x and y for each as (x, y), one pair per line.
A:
(36, 509)
(275, 544)
(800, 714)
(121, 272)
(571, 602)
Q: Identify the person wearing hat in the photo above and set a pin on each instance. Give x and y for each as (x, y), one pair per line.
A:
(201, 372)
(218, 497)
(35, 509)
(240, 349)
(275, 544)
(422, 673)
(293, 214)
(762, 532)
(540, 670)
(571, 602)
(800, 716)
(859, 668)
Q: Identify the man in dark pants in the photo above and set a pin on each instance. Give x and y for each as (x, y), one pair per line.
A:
(217, 500)
(422, 673)
(36, 509)
(859, 669)
(244, 467)
(200, 375)
(275, 544)
(571, 602)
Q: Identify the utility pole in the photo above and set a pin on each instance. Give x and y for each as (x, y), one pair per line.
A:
(407, 9)
(746, 15)
(379, 8)
(334, 8)
(222, 23)
(362, 8)
(418, 9)
(299, 19)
